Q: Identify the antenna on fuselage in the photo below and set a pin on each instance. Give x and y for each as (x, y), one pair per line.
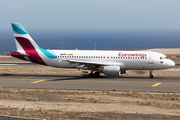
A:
(61, 42)
(94, 46)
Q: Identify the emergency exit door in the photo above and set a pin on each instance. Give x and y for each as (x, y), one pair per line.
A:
(151, 58)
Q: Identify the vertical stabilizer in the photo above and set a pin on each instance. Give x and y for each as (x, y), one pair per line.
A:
(23, 40)
(26, 46)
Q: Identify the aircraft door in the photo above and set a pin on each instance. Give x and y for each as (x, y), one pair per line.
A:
(151, 58)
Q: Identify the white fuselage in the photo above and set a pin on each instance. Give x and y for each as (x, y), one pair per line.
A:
(129, 60)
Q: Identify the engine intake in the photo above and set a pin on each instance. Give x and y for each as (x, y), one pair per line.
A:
(111, 70)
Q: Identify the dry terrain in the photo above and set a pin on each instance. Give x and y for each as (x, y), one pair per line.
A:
(57, 104)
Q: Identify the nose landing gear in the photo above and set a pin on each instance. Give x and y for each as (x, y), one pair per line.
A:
(151, 76)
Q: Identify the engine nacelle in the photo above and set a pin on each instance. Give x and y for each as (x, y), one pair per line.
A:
(123, 71)
(111, 70)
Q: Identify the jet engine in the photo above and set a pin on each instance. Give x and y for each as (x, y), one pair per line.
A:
(111, 70)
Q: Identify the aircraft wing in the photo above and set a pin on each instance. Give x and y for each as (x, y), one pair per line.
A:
(96, 63)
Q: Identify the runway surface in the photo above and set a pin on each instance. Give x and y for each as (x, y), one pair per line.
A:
(122, 83)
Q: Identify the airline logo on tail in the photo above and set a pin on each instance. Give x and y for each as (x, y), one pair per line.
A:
(27, 49)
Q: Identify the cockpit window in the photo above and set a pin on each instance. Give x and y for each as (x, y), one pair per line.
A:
(166, 57)
(160, 58)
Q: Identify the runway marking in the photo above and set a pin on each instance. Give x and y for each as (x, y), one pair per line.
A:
(27, 77)
(38, 81)
(155, 85)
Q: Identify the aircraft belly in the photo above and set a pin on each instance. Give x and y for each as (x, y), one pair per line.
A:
(66, 64)
(59, 63)
(137, 65)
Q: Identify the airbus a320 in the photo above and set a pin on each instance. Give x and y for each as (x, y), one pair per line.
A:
(111, 63)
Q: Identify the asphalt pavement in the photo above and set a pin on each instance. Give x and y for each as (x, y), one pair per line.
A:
(121, 83)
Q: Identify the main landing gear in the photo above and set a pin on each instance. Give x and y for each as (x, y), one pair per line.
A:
(96, 74)
(151, 76)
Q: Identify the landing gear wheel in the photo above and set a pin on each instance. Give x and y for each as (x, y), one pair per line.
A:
(97, 74)
(151, 76)
(91, 75)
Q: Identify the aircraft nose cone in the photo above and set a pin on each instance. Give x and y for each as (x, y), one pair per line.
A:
(172, 63)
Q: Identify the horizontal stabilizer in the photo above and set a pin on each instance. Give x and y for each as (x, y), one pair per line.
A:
(17, 54)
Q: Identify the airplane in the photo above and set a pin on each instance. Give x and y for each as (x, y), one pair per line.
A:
(111, 63)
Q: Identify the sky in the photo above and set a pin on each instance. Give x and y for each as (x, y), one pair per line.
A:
(91, 14)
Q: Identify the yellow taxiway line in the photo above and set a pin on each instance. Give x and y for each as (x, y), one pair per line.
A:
(155, 85)
(27, 77)
(38, 81)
